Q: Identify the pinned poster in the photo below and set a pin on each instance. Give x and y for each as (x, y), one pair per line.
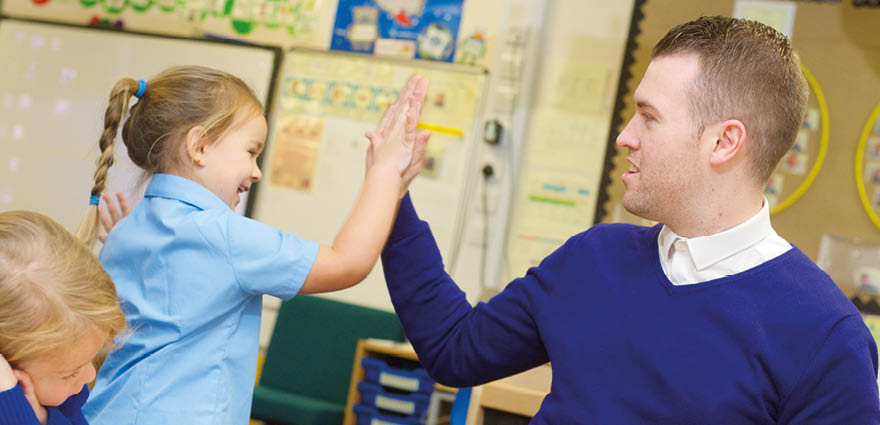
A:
(422, 29)
(873, 323)
(271, 22)
(777, 14)
(297, 143)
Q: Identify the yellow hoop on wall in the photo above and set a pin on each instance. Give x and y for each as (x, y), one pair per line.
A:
(823, 146)
(860, 169)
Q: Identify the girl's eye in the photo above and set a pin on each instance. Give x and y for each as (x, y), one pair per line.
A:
(71, 376)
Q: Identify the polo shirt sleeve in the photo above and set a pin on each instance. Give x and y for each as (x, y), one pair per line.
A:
(266, 260)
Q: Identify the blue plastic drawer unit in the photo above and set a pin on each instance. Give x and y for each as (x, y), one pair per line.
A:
(367, 415)
(378, 371)
(405, 404)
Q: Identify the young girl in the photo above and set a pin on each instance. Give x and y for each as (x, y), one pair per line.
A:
(190, 272)
(58, 308)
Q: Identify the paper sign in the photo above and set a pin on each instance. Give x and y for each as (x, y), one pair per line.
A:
(777, 14)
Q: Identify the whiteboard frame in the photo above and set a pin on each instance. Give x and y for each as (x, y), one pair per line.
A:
(277, 56)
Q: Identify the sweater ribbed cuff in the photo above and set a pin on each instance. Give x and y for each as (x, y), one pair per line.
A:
(406, 221)
(15, 408)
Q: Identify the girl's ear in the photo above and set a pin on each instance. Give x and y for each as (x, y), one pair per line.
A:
(195, 145)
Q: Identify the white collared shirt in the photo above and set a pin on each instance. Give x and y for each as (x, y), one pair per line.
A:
(687, 261)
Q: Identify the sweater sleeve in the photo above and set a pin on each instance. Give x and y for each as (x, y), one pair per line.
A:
(15, 409)
(840, 385)
(457, 344)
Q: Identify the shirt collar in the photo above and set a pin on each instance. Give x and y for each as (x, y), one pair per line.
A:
(185, 190)
(667, 237)
(708, 250)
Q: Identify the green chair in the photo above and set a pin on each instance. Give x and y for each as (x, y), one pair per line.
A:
(308, 364)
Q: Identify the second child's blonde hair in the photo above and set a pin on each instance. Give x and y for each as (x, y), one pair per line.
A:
(53, 290)
(174, 102)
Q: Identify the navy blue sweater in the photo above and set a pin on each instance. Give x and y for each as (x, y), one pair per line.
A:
(776, 344)
(16, 410)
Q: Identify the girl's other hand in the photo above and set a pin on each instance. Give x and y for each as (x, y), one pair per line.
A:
(111, 212)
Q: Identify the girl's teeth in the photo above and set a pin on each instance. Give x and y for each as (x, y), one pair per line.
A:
(633, 170)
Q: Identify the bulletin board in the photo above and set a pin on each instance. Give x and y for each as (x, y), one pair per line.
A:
(54, 87)
(560, 175)
(313, 165)
(421, 29)
(277, 22)
(294, 23)
(867, 167)
(840, 52)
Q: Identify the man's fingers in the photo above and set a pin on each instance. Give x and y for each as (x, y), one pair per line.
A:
(411, 126)
(420, 147)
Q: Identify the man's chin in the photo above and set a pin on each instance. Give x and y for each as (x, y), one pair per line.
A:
(636, 208)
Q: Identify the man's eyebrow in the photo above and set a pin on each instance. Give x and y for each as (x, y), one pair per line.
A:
(646, 105)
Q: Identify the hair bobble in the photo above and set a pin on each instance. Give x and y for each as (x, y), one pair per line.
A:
(142, 87)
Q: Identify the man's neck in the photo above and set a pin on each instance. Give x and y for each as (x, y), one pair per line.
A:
(715, 217)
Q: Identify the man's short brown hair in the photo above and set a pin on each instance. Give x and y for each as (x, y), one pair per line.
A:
(749, 72)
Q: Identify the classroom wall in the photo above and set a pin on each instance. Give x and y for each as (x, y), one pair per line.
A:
(283, 23)
(51, 74)
(313, 32)
(568, 120)
(837, 43)
(530, 46)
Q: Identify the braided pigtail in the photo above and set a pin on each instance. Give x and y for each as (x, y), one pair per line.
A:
(118, 104)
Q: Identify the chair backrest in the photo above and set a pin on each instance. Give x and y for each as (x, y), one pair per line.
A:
(313, 345)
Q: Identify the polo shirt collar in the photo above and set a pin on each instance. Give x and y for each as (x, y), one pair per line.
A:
(185, 190)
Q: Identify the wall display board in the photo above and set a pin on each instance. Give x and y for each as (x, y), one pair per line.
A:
(867, 167)
(275, 22)
(563, 157)
(54, 89)
(422, 29)
(801, 165)
(313, 164)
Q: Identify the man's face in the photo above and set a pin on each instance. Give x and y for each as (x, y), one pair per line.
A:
(664, 151)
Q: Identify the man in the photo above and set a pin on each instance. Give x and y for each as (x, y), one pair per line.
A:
(709, 317)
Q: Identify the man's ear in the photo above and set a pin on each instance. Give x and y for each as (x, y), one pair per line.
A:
(730, 142)
(196, 145)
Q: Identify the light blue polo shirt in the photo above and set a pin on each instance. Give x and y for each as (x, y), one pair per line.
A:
(190, 274)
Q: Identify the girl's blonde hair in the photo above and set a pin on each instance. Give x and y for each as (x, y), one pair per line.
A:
(53, 290)
(174, 102)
